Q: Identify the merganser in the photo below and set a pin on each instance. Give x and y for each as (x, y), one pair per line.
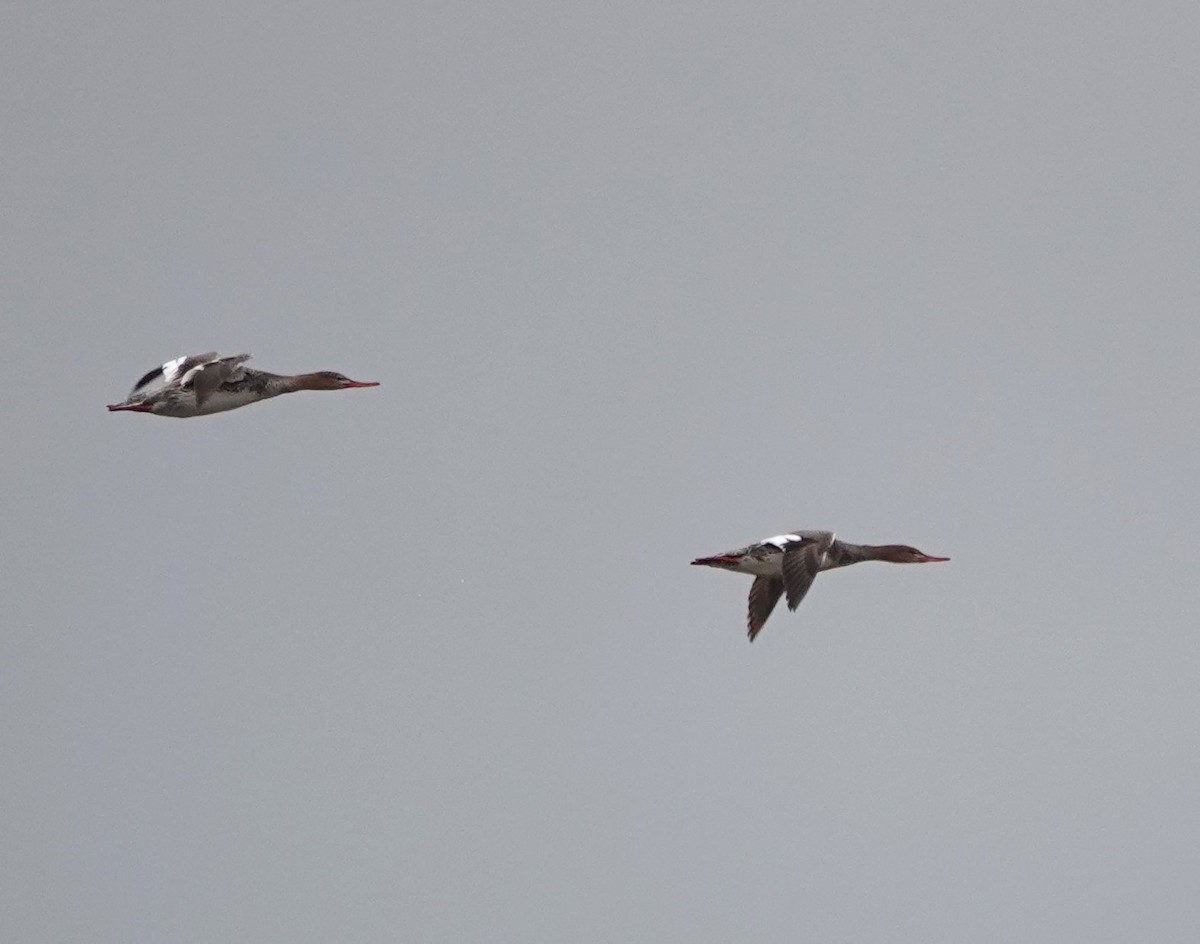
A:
(200, 384)
(790, 562)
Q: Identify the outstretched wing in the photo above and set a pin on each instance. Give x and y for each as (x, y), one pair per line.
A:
(174, 371)
(802, 562)
(764, 594)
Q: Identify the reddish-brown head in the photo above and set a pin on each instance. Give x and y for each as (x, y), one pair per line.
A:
(903, 554)
(332, 380)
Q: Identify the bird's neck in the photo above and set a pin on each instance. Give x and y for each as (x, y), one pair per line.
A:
(843, 553)
(893, 553)
(273, 385)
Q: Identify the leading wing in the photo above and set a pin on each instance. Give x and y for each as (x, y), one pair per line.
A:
(207, 378)
(174, 371)
(802, 562)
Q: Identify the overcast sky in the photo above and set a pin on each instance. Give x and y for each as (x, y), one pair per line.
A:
(640, 282)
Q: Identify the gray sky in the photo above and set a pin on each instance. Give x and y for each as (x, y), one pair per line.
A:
(428, 662)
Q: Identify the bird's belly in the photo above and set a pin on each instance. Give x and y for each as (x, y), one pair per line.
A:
(221, 400)
(771, 566)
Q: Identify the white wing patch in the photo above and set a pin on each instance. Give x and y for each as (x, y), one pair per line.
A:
(170, 370)
(782, 541)
(190, 374)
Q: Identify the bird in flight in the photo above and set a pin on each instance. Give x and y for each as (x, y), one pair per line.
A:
(788, 564)
(200, 384)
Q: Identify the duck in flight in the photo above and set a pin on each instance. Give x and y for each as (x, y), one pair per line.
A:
(200, 384)
(788, 563)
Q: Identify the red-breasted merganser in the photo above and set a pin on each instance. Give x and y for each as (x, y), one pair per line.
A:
(208, 383)
(790, 562)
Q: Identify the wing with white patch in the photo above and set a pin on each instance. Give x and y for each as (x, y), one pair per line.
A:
(174, 371)
(782, 541)
(817, 535)
(180, 369)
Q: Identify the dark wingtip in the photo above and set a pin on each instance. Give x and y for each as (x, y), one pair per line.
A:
(149, 377)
